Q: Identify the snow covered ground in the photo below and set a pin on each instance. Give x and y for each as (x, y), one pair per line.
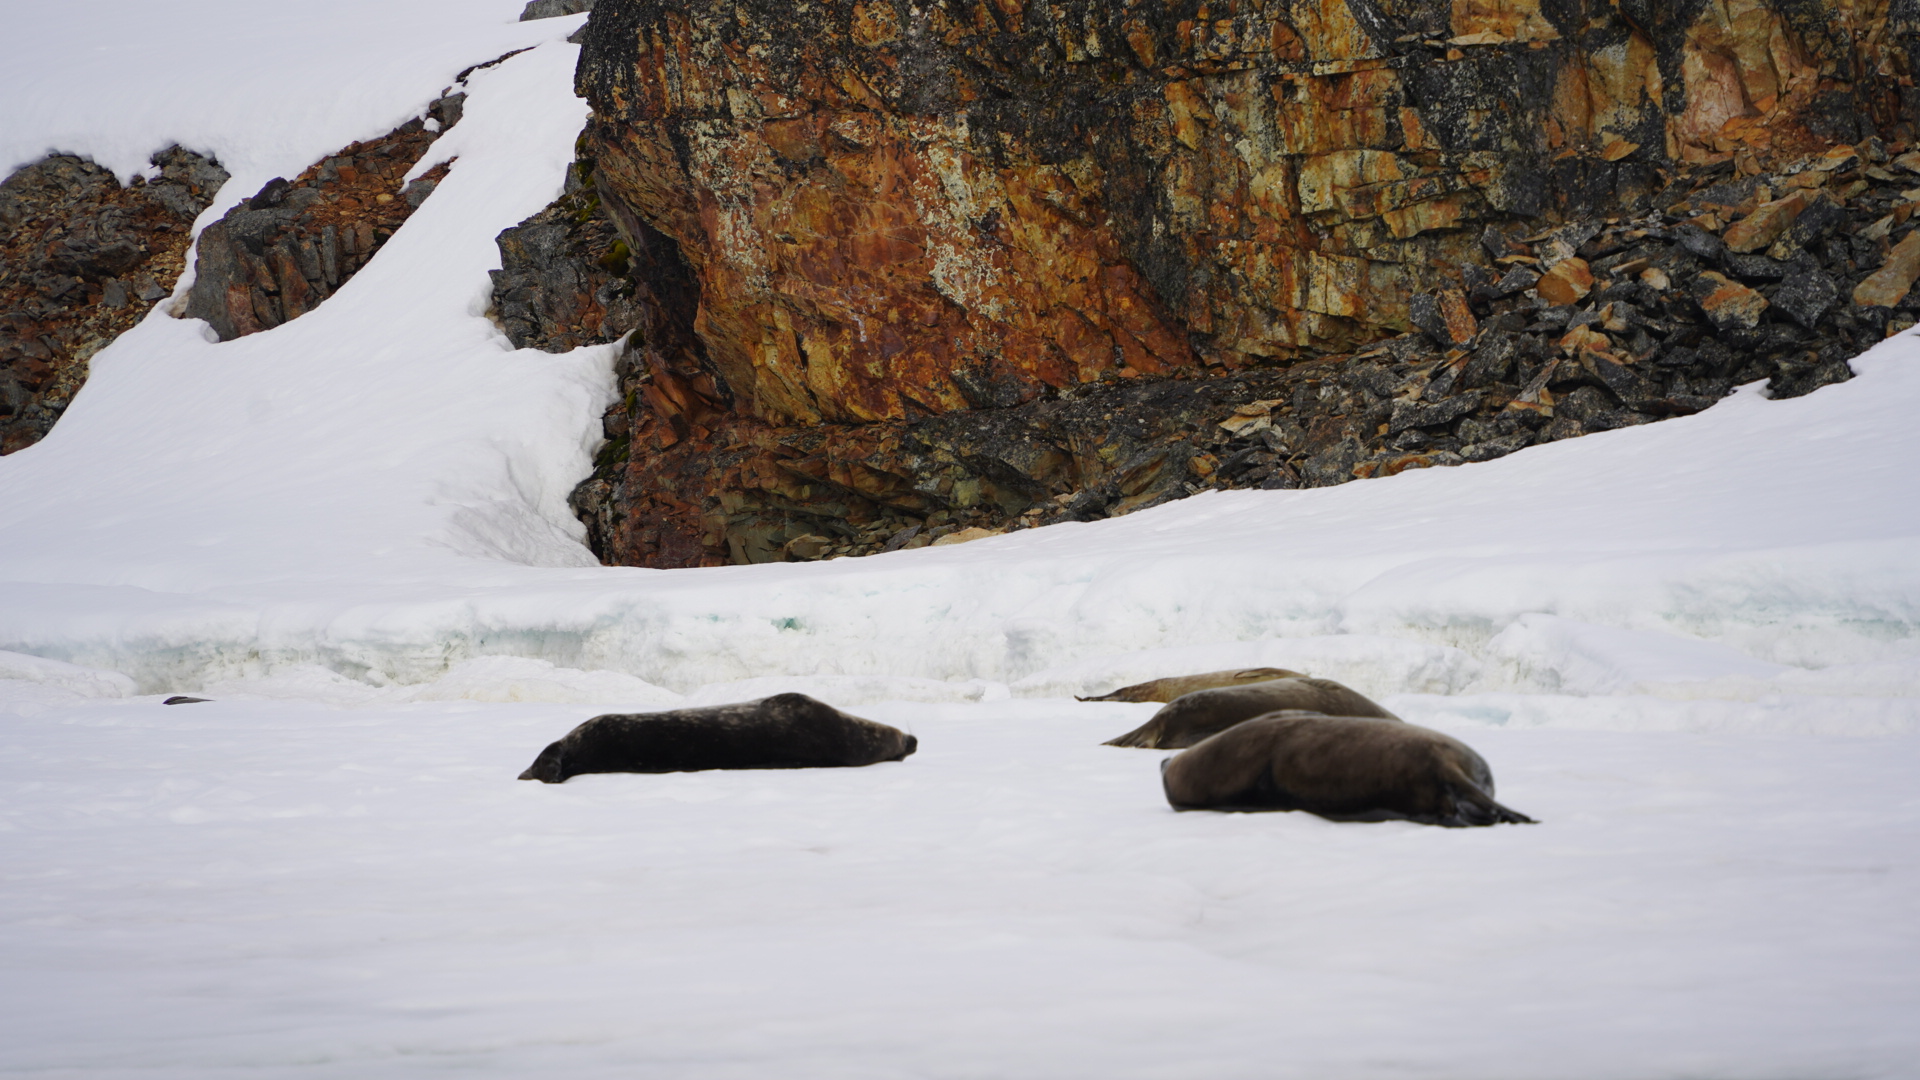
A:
(1691, 649)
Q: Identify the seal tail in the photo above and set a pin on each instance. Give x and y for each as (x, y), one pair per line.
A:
(1115, 696)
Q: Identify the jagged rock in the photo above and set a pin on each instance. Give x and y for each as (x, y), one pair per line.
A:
(1566, 282)
(1888, 285)
(1731, 305)
(1765, 224)
(82, 260)
(1806, 296)
(281, 253)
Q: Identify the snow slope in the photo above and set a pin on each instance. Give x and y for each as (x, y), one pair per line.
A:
(1690, 648)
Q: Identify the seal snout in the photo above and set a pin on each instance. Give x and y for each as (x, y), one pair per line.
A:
(912, 744)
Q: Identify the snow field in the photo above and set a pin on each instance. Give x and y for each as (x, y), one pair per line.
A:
(290, 889)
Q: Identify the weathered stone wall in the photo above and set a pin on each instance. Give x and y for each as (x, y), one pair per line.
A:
(894, 213)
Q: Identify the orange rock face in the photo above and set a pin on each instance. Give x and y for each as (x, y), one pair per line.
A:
(898, 209)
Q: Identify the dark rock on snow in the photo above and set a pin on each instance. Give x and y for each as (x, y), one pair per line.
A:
(82, 259)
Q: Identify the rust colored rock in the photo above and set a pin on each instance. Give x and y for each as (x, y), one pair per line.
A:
(1762, 227)
(1566, 282)
(82, 260)
(1445, 316)
(1728, 303)
(916, 243)
(897, 209)
(1889, 285)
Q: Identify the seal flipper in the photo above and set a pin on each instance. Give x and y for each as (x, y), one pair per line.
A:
(1145, 736)
(1471, 806)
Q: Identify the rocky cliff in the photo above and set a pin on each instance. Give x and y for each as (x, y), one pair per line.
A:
(81, 260)
(904, 269)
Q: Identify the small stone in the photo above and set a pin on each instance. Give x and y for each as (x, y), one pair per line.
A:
(1584, 338)
(549, 9)
(1806, 297)
(1762, 227)
(1567, 282)
(1655, 278)
(1888, 285)
(1618, 149)
(1445, 317)
(1252, 417)
(113, 294)
(1517, 280)
(1729, 304)
(806, 548)
(1407, 414)
(965, 536)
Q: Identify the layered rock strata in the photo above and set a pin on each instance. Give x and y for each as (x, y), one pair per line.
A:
(281, 253)
(912, 229)
(82, 259)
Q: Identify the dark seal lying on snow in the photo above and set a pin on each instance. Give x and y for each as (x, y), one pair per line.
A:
(1173, 686)
(786, 731)
(1192, 717)
(1347, 768)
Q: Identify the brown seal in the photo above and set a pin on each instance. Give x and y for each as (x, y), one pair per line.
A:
(1164, 690)
(786, 731)
(1347, 768)
(1192, 717)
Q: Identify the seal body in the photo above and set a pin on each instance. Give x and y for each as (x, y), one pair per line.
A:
(786, 731)
(1347, 768)
(1192, 717)
(1164, 690)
